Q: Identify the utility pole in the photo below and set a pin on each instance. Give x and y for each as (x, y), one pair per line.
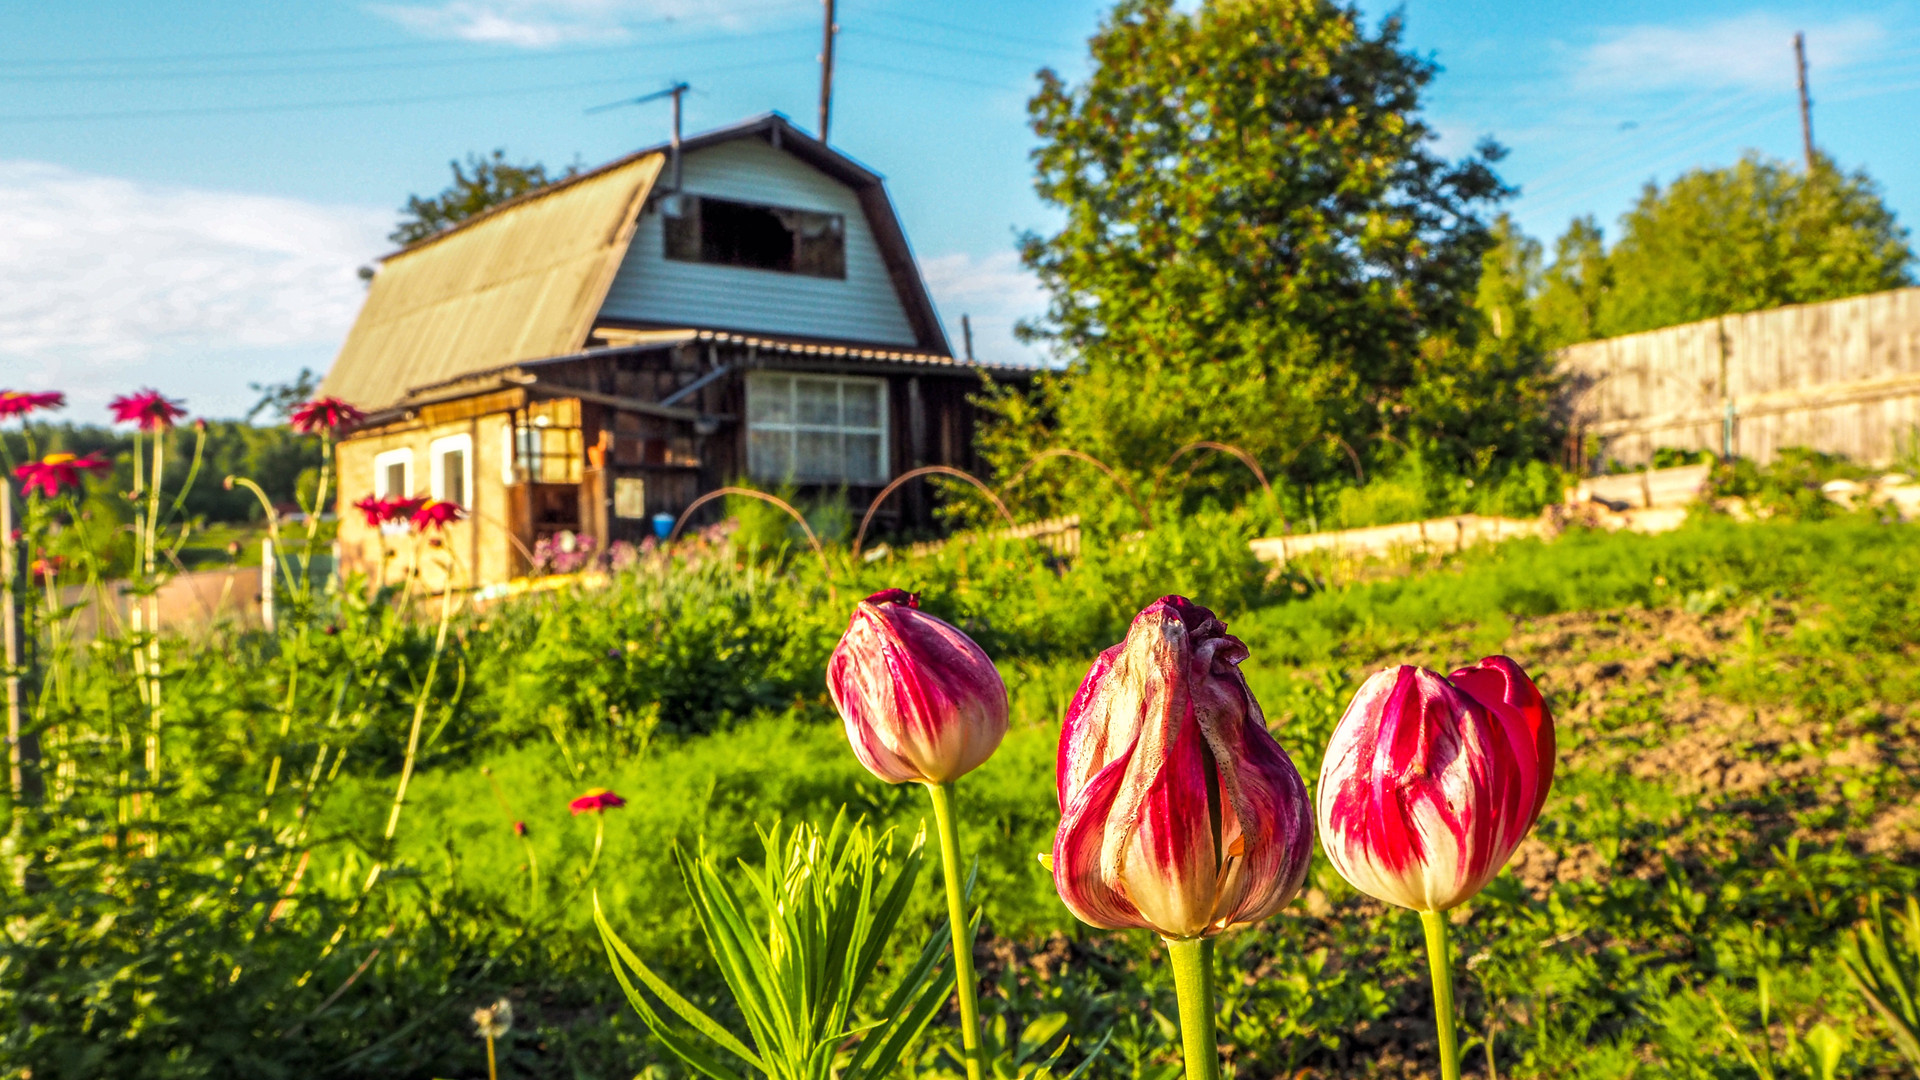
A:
(1806, 103)
(966, 332)
(826, 72)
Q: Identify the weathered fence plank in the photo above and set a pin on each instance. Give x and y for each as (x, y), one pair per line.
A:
(1841, 376)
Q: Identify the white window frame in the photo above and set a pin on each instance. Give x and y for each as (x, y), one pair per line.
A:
(793, 426)
(385, 460)
(437, 451)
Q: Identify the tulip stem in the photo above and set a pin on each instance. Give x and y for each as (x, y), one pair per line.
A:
(1435, 924)
(1193, 986)
(962, 928)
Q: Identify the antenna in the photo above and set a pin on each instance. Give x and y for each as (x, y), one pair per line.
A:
(676, 92)
(826, 72)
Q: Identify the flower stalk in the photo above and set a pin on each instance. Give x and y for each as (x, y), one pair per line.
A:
(961, 926)
(1441, 971)
(1192, 962)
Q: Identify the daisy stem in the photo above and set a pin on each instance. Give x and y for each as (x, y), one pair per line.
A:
(942, 795)
(1435, 924)
(1192, 961)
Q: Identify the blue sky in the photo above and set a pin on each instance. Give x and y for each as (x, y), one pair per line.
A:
(186, 189)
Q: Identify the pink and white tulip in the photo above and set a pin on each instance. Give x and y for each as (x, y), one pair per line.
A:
(921, 701)
(1179, 813)
(1431, 781)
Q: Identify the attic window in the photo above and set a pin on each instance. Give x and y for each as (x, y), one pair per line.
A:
(721, 232)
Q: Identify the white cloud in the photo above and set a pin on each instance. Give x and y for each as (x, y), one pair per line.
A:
(1749, 51)
(995, 292)
(106, 284)
(539, 24)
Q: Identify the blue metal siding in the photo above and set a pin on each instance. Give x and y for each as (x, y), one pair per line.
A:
(864, 307)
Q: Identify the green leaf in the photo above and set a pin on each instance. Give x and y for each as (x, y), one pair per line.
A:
(677, 1044)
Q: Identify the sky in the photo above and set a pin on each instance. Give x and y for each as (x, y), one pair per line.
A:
(188, 189)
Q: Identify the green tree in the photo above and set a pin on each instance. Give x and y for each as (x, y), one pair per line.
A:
(1721, 241)
(482, 182)
(1257, 238)
(1575, 286)
(1482, 393)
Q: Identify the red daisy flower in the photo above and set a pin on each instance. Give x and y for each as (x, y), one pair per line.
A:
(436, 514)
(599, 800)
(374, 509)
(19, 403)
(54, 472)
(147, 408)
(46, 567)
(328, 414)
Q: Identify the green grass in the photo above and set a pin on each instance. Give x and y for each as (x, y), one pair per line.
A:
(1739, 752)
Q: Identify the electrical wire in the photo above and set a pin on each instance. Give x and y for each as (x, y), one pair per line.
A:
(357, 103)
(410, 65)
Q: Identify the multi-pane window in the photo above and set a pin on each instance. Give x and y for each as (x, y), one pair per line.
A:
(393, 474)
(452, 458)
(816, 428)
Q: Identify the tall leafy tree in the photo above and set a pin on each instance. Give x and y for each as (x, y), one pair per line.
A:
(1258, 236)
(1721, 241)
(480, 183)
(1575, 286)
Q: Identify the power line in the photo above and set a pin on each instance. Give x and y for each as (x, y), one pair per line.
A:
(358, 103)
(336, 50)
(976, 32)
(936, 76)
(410, 65)
(944, 47)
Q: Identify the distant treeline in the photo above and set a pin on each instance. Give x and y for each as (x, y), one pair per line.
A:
(283, 462)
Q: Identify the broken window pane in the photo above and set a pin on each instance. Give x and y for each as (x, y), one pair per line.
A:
(722, 232)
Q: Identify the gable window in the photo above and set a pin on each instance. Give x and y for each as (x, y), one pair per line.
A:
(816, 428)
(393, 474)
(722, 232)
(452, 476)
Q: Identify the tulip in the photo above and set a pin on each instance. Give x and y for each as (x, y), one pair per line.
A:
(148, 409)
(1179, 813)
(922, 702)
(55, 472)
(1429, 784)
(324, 415)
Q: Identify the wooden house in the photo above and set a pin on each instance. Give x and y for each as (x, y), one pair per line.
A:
(608, 348)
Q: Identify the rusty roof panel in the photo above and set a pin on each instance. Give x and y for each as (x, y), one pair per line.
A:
(527, 286)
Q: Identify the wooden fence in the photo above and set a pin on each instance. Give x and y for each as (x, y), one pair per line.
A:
(1841, 376)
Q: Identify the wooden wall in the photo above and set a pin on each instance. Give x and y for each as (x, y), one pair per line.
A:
(1842, 377)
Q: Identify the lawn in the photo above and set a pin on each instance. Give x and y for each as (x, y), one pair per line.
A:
(1736, 781)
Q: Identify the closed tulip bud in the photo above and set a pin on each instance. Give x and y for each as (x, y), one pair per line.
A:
(921, 701)
(1430, 782)
(1179, 813)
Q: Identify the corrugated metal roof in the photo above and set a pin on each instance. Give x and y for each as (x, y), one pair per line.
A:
(469, 300)
(623, 338)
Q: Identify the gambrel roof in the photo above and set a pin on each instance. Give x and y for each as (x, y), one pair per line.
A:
(525, 280)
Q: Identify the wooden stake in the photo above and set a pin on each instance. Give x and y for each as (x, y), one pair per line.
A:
(23, 744)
